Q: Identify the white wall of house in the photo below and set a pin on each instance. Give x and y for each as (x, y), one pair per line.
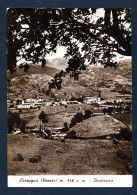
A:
(25, 106)
(91, 99)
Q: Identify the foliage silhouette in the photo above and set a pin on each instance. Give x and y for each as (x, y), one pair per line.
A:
(32, 33)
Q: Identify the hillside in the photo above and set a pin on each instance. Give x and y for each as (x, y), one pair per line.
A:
(99, 75)
(32, 81)
(94, 77)
(59, 63)
(72, 157)
(98, 126)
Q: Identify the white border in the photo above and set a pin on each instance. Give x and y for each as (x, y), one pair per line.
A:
(70, 181)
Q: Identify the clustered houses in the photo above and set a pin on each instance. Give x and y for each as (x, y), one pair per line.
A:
(63, 99)
(25, 104)
(100, 103)
(94, 100)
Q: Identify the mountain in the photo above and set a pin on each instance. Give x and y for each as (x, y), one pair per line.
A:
(94, 78)
(59, 63)
(32, 81)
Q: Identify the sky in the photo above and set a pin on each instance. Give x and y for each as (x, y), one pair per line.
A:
(61, 50)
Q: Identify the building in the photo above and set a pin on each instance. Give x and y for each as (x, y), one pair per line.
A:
(88, 100)
(25, 106)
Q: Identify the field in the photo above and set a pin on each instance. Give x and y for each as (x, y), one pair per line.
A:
(87, 157)
(93, 153)
(57, 114)
(96, 127)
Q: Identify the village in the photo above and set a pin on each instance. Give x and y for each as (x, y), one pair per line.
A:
(65, 107)
(97, 101)
(56, 125)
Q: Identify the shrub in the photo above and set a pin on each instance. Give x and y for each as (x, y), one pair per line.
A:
(71, 135)
(62, 140)
(127, 109)
(20, 111)
(76, 119)
(121, 154)
(65, 129)
(48, 132)
(79, 117)
(126, 134)
(119, 109)
(73, 122)
(35, 159)
(104, 110)
(109, 110)
(87, 114)
(19, 157)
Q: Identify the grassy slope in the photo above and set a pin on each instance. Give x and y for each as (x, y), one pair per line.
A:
(125, 118)
(57, 114)
(36, 69)
(98, 126)
(91, 157)
(74, 156)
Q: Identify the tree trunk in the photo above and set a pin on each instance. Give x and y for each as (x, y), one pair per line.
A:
(11, 59)
(115, 18)
(40, 126)
(115, 32)
(107, 17)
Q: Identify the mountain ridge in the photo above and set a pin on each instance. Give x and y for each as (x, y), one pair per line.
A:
(37, 78)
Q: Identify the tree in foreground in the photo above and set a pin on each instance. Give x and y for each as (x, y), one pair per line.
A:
(13, 120)
(73, 122)
(76, 119)
(23, 126)
(96, 35)
(65, 129)
(79, 117)
(43, 120)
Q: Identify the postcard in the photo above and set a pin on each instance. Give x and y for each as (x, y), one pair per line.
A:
(69, 97)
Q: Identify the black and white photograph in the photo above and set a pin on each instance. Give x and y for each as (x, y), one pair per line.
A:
(69, 97)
